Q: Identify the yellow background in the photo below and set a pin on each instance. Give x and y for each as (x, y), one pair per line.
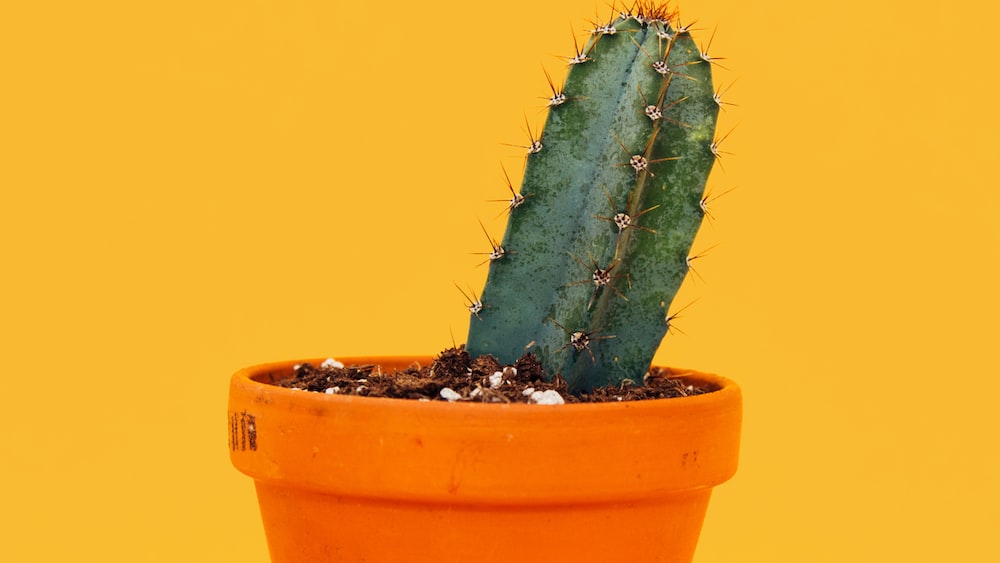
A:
(193, 187)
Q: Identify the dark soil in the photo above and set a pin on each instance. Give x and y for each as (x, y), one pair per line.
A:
(476, 380)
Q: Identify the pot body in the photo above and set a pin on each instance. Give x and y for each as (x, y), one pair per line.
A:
(380, 480)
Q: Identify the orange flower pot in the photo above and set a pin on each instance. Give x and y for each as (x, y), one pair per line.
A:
(385, 480)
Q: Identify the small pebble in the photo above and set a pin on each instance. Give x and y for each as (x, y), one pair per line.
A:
(450, 395)
(548, 397)
(331, 363)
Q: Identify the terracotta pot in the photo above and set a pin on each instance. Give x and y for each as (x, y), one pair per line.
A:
(383, 480)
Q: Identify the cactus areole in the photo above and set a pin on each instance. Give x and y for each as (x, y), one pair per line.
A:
(609, 205)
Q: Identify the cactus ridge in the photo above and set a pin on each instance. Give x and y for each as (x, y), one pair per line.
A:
(611, 199)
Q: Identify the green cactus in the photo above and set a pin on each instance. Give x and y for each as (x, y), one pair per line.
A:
(598, 240)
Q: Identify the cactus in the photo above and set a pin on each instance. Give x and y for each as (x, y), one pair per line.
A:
(598, 239)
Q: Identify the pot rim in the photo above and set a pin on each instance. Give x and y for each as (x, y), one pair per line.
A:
(409, 450)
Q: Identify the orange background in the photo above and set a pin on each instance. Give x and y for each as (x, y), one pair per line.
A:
(193, 187)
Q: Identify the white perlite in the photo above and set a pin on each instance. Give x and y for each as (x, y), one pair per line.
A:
(331, 363)
(548, 397)
(496, 380)
(332, 390)
(450, 395)
(527, 392)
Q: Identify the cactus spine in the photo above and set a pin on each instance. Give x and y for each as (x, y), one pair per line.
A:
(612, 199)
